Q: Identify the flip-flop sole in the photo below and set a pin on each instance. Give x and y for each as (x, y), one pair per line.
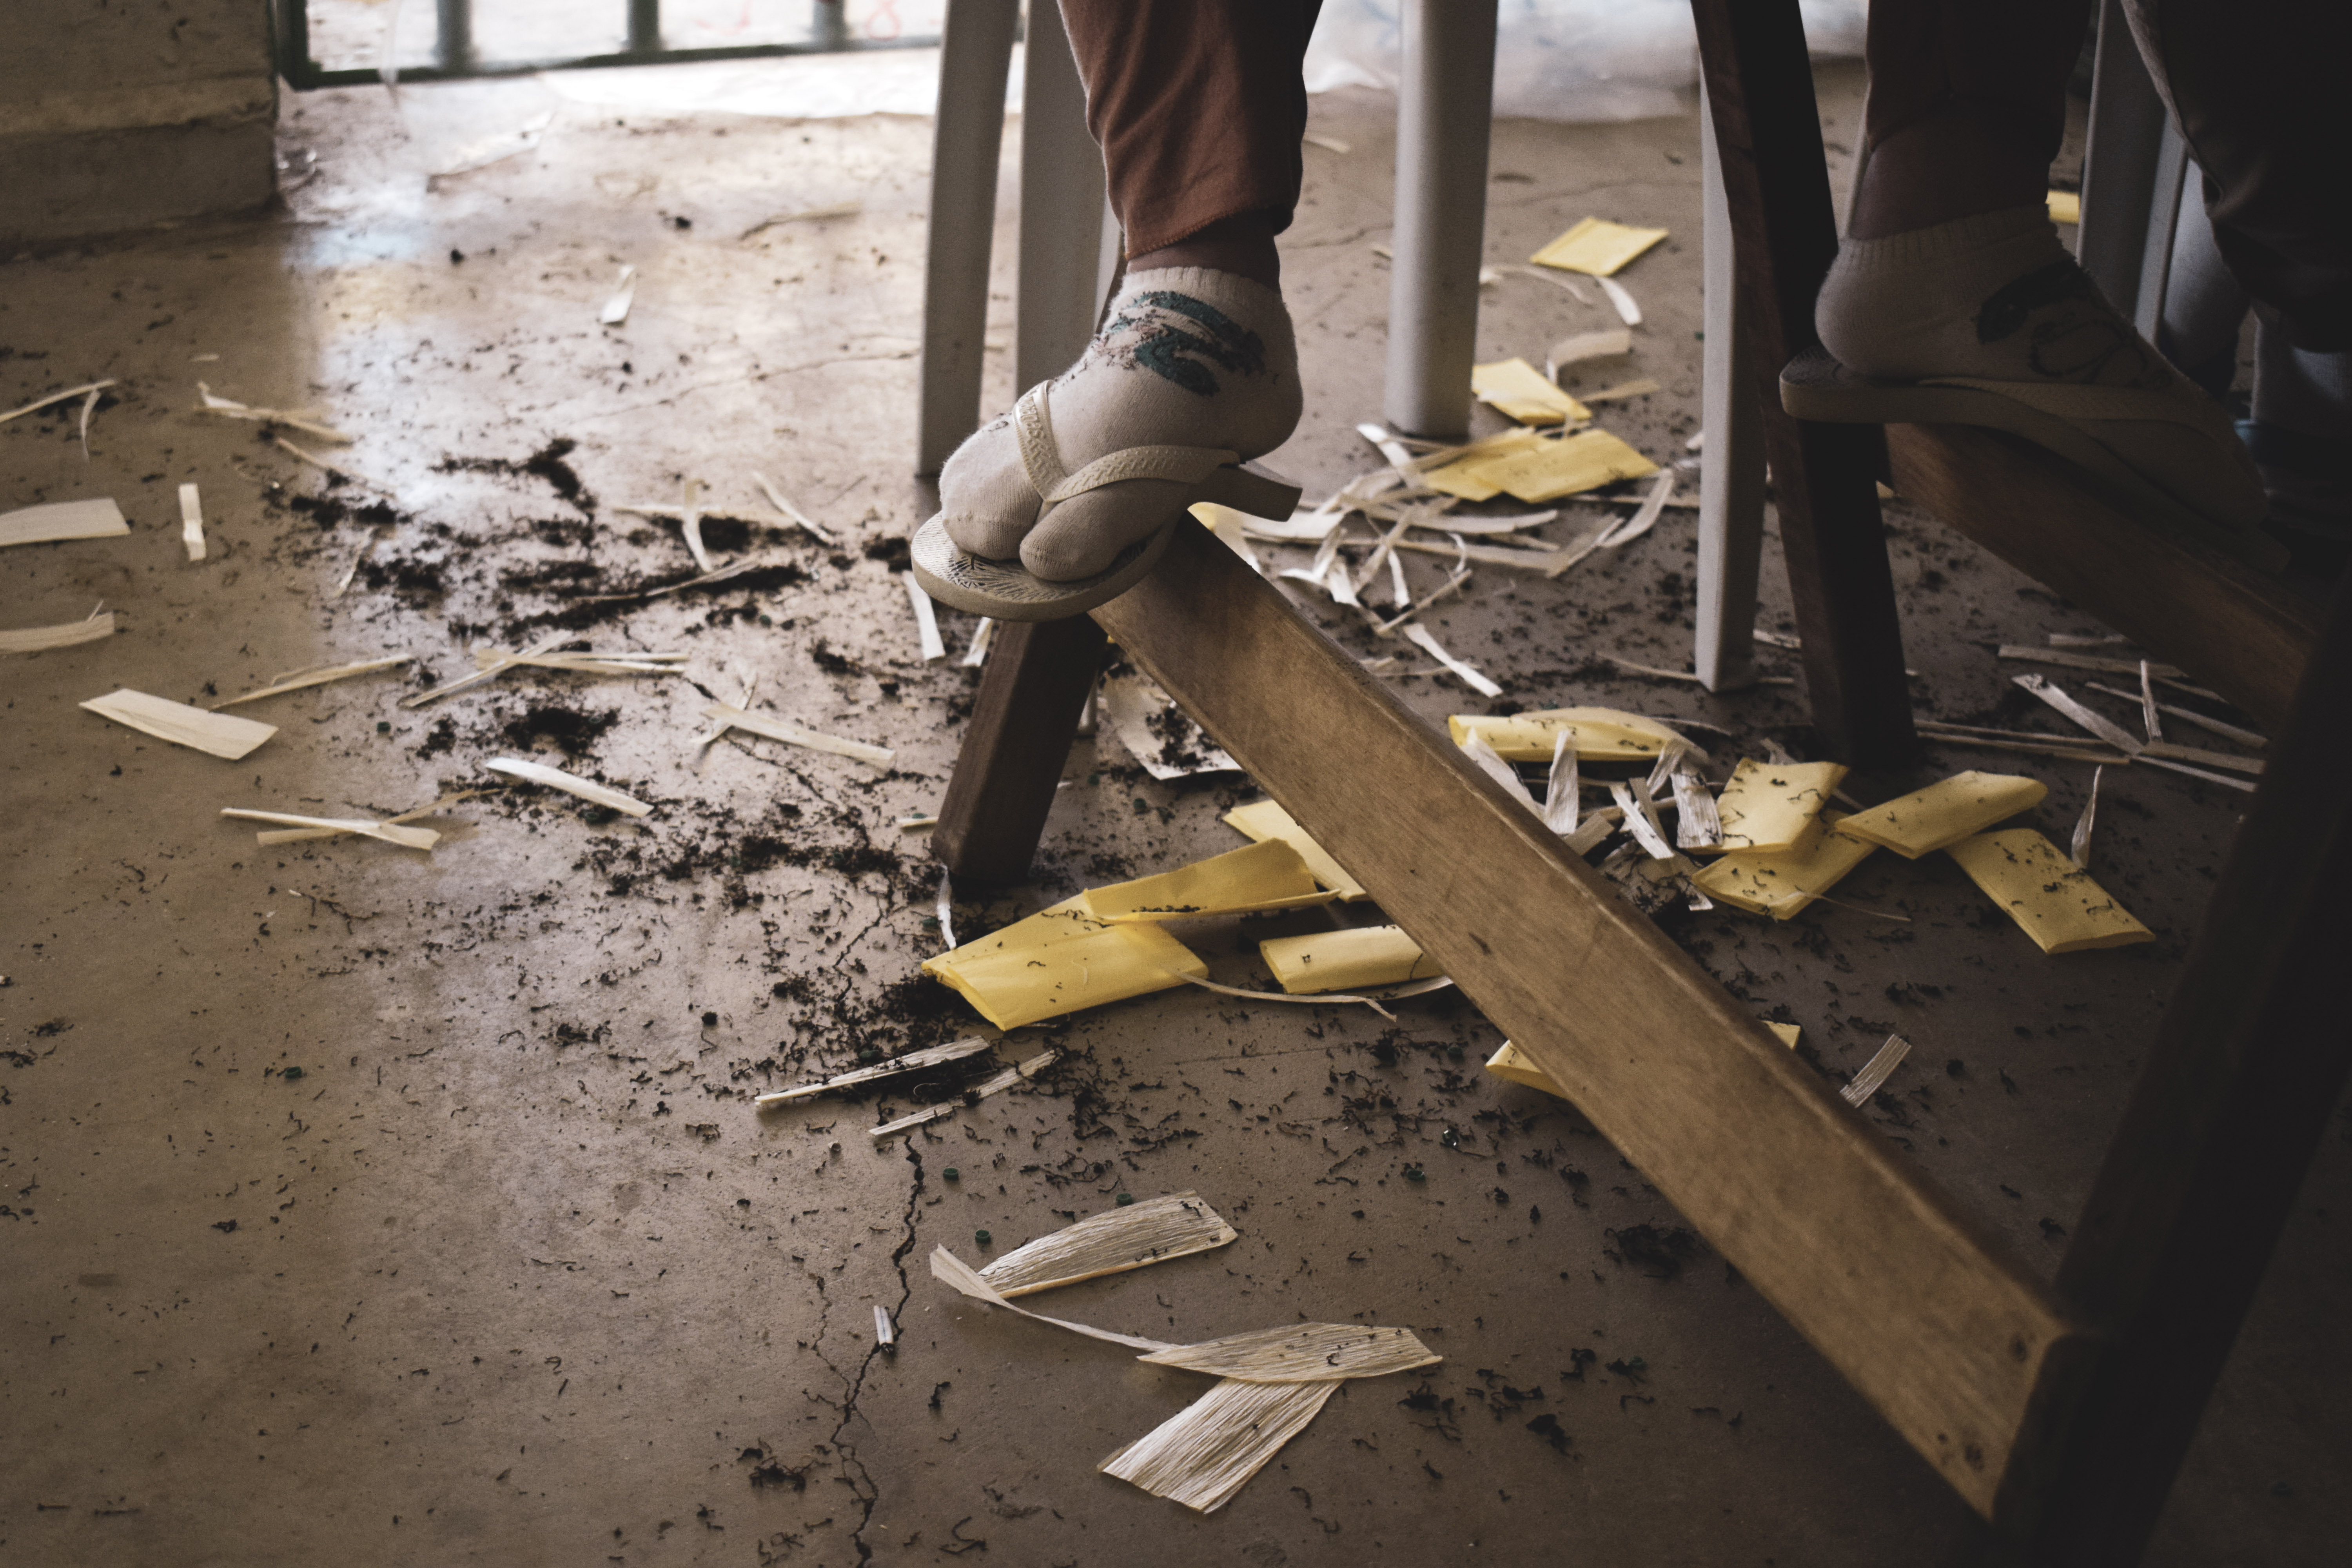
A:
(1815, 386)
(1008, 592)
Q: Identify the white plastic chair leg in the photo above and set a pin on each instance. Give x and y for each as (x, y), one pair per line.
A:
(1731, 475)
(976, 59)
(1445, 118)
(1054, 300)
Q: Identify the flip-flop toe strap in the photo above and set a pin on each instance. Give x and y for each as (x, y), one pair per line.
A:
(1184, 465)
(1041, 454)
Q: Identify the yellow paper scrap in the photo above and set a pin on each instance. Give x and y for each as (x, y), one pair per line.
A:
(1510, 1063)
(1597, 247)
(1946, 812)
(1462, 478)
(2066, 207)
(1521, 391)
(1584, 461)
(1780, 883)
(1773, 806)
(1267, 876)
(1599, 734)
(2051, 898)
(1059, 961)
(1263, 820)
(1349, 960)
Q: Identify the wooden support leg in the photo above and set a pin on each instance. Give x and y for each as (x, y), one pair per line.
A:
(2249, 1063)
(1759, 88)
(1030, 694)
(1933, 1323)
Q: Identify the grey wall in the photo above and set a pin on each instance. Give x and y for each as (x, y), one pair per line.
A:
(118, 113)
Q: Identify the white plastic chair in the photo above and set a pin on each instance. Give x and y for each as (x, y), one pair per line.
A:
(1069, 243)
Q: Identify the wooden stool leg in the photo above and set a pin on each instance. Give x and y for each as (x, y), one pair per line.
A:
(1030, 694)
(1759, 88)
(2248, 1066)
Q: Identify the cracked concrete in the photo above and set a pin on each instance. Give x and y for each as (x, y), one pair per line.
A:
(394, 1209)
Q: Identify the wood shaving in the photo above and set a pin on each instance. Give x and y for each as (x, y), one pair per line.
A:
(2080, 851)
(217, 733)
(229, 408)
(2098, 724)
(1307, 1352)
(982, 634)
(1562, 797)
(912, 1061)
(1480, 750)
(1645, 517)
(306, 678)
(1150, 1231)
(1622, 302)
(776, 498)
(1420, 637)
(1877, 1070)
(927, 620)
(40, 403)
(977, 1093)
(2227, 732)
(1208, 1451)
(39, 639)
(1698, 824)
(391, 833)
(570, 783)
(616, 305)
(734, 718)
(97, 518)
(297, 834)
(954, 1272)
(1581, 347)
(807, 215)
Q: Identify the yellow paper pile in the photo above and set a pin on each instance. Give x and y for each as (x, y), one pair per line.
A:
(2054, 900)
(1597, 247)
(1264, 820)
(1946, 812)
(1353, 959)
(1542, 470)
(1521, 391)
(1774, 807)
(1782, 882)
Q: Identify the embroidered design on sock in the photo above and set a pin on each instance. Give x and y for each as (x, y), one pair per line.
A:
(2090, 346)
(1144, 334)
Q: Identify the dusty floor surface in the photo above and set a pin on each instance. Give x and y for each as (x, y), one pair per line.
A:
(370, 1207)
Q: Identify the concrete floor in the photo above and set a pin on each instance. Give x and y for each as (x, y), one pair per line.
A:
(511, 1272)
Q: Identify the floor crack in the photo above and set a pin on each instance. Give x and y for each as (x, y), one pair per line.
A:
(861, 1482)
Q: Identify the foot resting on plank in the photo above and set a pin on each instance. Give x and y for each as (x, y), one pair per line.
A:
(1071, 496)
(1987, 320)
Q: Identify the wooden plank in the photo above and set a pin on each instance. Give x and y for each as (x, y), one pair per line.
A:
(2248, 1064)
(1031, 694)
(1929, 1318)
(1760, 87)
(2226, 624)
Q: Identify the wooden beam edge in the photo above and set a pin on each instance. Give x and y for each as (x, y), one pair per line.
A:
(1954, 1354)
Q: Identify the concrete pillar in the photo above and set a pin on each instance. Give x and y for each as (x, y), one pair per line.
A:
(115, 114)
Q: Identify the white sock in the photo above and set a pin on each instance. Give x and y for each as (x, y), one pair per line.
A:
(1996, 296)
(1189, 357)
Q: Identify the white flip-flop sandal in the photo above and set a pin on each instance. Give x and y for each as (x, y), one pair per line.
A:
(1007, 590)
(1816, 386)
